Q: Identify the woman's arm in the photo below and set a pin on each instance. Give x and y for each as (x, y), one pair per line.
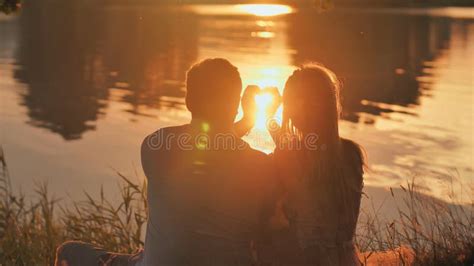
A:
(275, 132)
(273, 125)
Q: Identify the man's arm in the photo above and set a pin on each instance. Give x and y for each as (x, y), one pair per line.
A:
(151, 154)
(243, 127)
(145, 155)
(249, 107)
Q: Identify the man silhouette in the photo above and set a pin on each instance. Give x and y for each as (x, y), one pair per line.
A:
(207, 189)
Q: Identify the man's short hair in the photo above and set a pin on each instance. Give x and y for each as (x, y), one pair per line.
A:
(213, 89)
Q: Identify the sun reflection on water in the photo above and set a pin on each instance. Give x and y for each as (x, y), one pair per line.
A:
(257, 47)
(264, 77)
(262, 100)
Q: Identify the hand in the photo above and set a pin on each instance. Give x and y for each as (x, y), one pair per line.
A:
(275, 103)
(249, 105)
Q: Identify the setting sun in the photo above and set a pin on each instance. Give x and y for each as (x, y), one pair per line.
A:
(265, 10)
(262, 100)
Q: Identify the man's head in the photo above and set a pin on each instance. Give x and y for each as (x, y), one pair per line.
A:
(213, 90)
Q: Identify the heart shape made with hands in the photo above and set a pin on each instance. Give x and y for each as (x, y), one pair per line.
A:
(260, 103)
(268, 100)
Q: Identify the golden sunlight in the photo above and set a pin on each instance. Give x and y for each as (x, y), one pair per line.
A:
(270, 76)
(264, 77)
(265, 10)
(262, 100)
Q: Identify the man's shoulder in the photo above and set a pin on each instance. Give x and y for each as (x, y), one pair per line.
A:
(255, 156)
(260, 168)
(256, 153)
(169, 130)
(158, 137)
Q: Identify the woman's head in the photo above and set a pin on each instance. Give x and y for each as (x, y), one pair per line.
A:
(311, 103)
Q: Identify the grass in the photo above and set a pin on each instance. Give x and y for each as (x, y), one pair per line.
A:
(31, 230)
(431, 232)
(427, 231)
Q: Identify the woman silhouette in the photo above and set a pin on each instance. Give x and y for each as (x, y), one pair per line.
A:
(322, 173)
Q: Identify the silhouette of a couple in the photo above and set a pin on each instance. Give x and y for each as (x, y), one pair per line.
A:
(222, 203)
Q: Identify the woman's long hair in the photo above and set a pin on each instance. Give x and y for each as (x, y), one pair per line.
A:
(311, 106)
(311, 114)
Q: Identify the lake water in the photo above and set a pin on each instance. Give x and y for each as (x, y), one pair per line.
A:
(81, 87)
